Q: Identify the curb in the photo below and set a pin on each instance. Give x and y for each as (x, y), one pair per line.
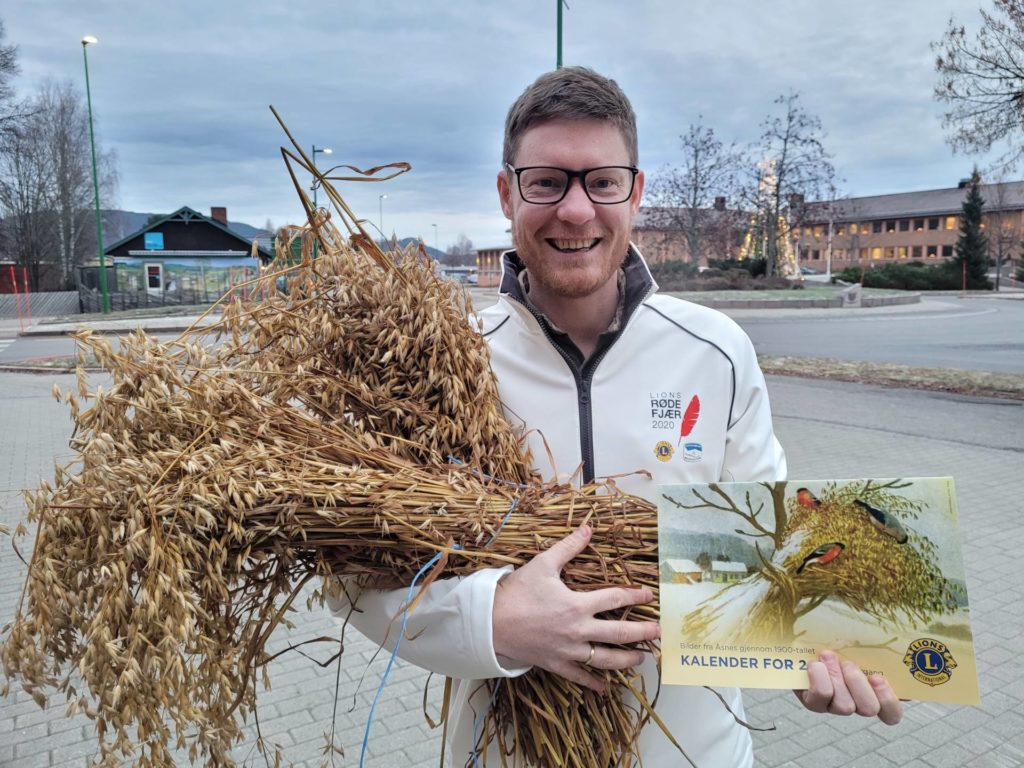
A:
(63, 329)
(834, 303)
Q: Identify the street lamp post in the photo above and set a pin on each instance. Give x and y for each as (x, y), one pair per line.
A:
(435, 238)
(322, 151)
(104, 299)
(380, 201)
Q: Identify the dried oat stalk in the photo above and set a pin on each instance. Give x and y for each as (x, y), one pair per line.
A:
(212, 483)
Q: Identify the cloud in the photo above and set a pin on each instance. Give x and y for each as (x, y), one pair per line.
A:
(183, 97)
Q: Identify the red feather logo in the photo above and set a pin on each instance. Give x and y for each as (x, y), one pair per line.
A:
(689, 418)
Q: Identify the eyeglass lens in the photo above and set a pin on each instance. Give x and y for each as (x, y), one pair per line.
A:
(610, 184)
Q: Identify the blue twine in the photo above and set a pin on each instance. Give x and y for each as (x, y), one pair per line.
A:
(394, 653)
(461, 463)
(478, 722)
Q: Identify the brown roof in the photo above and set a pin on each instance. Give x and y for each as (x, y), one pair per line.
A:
(932, 202)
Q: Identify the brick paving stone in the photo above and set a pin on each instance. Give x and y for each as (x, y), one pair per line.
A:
(903, 748)
(950, 755)
(873, 760)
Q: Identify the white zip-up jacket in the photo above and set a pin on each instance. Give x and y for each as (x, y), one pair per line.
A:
(618, 413)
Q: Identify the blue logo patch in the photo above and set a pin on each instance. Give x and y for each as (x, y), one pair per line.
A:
(693, 452)
(930, 661)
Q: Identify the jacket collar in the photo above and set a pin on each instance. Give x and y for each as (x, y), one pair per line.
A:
(637, 286)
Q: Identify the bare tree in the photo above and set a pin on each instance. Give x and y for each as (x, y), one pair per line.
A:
(684, 197)
(1002, 227)
(26, 202)
(982, 81)
(462, 253)
(46, 191)
(11, 111)
(793, 167)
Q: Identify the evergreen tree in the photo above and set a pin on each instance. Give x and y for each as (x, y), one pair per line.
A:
(972, 245)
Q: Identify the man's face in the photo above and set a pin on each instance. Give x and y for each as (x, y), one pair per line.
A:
(574, 247)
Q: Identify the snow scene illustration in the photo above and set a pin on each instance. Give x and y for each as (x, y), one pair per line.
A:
(837, 564)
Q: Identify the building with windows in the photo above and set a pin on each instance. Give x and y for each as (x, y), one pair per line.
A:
(488, 266)
(852, 232)
(188, 255)
(908, 226)
(660, 233)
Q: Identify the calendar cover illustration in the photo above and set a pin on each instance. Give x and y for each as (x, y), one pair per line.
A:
(758, 578)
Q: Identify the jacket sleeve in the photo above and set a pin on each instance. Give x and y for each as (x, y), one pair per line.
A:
(752, 451)
(447, 632)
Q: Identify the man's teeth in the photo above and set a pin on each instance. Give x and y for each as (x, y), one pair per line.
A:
(573, 245)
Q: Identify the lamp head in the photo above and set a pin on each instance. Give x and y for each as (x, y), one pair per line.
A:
(89, 40)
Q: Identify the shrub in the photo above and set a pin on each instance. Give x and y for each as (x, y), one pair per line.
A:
(911, 276)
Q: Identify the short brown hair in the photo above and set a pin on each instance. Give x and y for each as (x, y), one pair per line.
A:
(571, 93)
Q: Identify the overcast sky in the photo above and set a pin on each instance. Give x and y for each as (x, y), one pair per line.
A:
(181, 90)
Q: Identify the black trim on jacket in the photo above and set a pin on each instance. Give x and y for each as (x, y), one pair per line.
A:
(637, 285)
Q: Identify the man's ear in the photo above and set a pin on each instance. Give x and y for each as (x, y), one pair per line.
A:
(638, 191)
(505, 194)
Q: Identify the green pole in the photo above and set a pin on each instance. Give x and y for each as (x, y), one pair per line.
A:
(105, 301)
(558, 60)
(314, 178)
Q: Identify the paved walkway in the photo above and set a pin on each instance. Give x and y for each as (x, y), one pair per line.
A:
(829, 429)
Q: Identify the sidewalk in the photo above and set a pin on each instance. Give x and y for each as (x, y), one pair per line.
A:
(874, 432)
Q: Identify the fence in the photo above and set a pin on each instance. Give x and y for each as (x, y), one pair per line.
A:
(49, 304)
(89, 299)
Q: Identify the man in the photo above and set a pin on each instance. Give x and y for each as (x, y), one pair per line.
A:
(598, 368)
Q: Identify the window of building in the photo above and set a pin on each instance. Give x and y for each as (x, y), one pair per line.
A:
(853, 229)
(919, 225)
(947, 251)
(915, 252)
(890, 226)
(876, 253)
(862, 254)
(815, 255)
(890, 252)
(876, 227)
(805, 253)
(808, 231)
(841, 230)
(933, 223)
(901, 252)
(951, 222)
(904, 225)
(933, 251)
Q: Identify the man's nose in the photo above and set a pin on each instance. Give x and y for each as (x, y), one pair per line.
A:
(575, 207)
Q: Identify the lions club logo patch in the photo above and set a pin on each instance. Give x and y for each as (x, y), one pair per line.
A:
(929, 661)
(664, 450)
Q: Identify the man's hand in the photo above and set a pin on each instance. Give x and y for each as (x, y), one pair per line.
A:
(539, 621)
(843, 689)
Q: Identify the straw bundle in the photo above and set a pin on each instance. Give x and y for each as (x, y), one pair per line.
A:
(347, 426)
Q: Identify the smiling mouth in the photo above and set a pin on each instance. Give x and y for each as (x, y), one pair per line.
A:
(572, 245)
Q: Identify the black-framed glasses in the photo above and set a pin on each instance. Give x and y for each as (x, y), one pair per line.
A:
(545, 185)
